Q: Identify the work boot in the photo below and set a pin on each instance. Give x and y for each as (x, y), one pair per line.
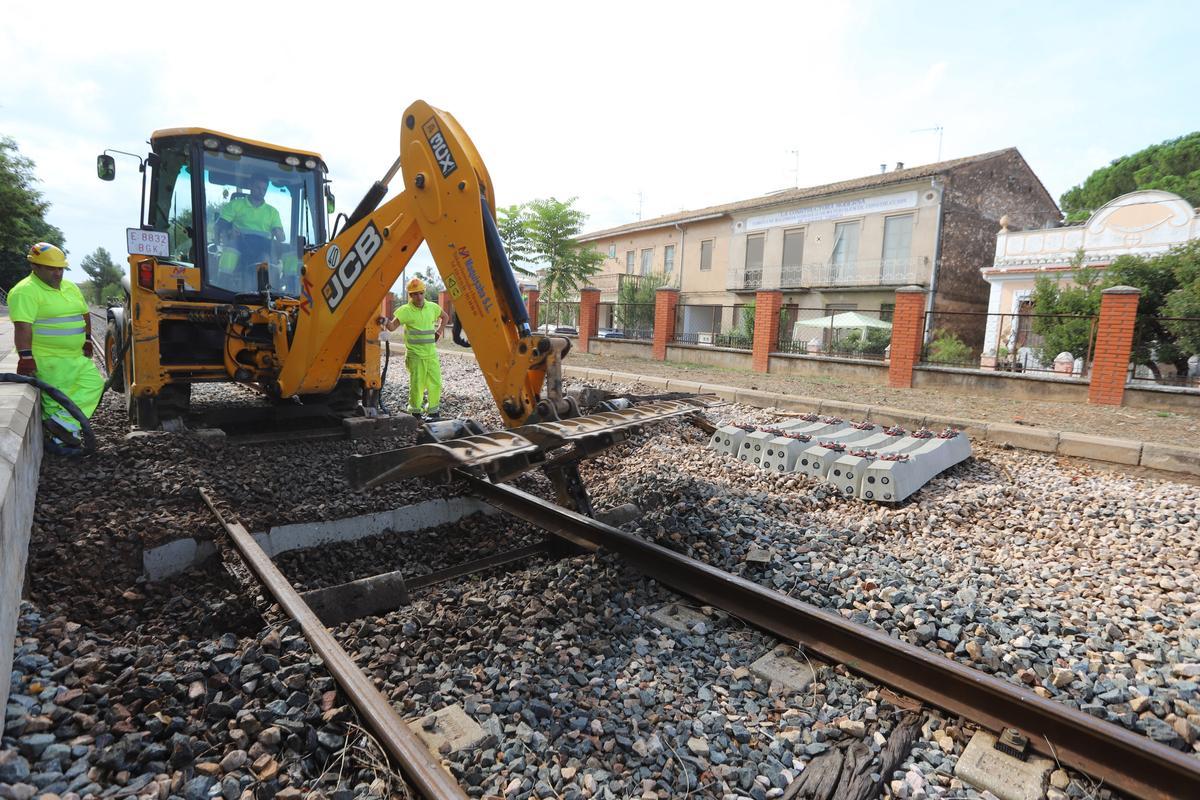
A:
(56, 447)
(433, 416)
(59, 434)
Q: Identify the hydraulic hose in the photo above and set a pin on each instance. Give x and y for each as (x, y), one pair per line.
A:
(89, 437)
(387, 361)
(456, 332)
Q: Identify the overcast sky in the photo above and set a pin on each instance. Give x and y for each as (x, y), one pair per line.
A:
(630, 107)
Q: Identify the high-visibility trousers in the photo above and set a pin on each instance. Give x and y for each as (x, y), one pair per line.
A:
(76, 377)
(424, 375)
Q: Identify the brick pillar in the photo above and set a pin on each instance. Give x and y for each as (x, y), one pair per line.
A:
(589, 317)
(1114, 340)
(531, 306)
(766, 327)
(446, 302)
(666, 300)
(908, 334)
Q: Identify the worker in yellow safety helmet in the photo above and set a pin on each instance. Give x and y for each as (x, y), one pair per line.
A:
(423, 323)
(53, 328)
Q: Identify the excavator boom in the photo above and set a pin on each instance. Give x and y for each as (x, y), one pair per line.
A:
(447, 202)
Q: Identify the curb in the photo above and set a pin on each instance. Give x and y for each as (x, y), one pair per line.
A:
(1152, 455)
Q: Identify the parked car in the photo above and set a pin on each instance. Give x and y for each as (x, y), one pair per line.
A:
(562, 330)
(610, 333)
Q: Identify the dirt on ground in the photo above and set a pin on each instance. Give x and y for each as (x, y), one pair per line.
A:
(1139, 424)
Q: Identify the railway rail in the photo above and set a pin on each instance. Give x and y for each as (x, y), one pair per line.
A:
(1119, 758)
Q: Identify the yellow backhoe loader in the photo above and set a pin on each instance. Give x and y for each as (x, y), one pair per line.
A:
(233, 277)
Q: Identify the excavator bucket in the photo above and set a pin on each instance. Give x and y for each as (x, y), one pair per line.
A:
(504, 454)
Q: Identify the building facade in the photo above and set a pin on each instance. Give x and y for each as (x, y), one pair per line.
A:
(1142, 223)
(843, 246)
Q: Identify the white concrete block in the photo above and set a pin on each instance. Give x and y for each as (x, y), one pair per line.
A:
(782, 452)
(782, 669)
(848, 471)
(449, 729)
(985, 767)
(892, 481)
(818, 458)
(754, 446)
(728, 439)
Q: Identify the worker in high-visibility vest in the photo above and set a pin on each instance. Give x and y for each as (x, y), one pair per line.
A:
(52, 329)
(423, 323)
(246, 226)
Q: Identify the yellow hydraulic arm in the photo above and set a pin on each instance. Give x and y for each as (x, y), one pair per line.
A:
(449, 202)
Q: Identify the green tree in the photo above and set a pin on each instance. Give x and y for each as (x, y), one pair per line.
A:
(1064, 313)
(104, 274)
(513, 224)
(1167, 283)
(22, 214)
(1172, 166)
(552, 226)
(1182, 306)
(636, 296)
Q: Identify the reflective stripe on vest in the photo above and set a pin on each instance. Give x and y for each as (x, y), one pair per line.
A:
(52, 331)
(41, 331)
(415, 336)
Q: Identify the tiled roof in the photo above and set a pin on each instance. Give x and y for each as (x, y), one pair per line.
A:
(792, 195)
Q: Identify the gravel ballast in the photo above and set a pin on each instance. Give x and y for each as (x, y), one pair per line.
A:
(1075, 582)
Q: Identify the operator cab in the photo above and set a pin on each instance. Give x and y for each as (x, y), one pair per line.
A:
(261, 204)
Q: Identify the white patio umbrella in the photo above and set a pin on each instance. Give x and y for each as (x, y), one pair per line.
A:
(846, 319)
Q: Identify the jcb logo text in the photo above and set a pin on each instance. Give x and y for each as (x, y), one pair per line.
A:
(352, 266)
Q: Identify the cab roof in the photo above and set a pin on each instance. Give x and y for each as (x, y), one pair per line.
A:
(166, 133)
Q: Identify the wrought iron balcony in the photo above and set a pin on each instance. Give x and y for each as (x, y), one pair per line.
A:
(747, 280)
(862, 272)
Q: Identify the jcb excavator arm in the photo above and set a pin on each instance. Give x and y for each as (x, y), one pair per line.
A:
(447, 201)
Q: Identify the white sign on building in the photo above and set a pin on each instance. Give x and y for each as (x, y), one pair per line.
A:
(842, 208)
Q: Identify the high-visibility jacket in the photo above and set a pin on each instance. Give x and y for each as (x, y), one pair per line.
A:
(59, 320)
(249, 218)
(420, 325)
(58, 316)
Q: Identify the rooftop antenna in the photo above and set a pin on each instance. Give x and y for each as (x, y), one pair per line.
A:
(640, 198)
(936, 129)
(796, 170)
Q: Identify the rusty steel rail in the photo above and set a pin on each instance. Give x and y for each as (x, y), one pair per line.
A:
(414, 760)
(1120, 758)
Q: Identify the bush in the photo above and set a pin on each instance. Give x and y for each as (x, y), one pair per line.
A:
(874, 343)
(947, 348)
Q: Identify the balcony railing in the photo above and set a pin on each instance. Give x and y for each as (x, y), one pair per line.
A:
(863, 272)
(747, 280)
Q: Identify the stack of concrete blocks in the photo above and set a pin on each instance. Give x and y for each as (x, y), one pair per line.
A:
(847, 472)
(892, 481)
(784, 450)
(861, 460)
(818, 458)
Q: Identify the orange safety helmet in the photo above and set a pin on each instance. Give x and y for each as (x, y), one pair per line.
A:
(416, 285)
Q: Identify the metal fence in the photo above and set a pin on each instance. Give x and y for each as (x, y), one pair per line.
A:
(1166, 352)
(715, 326)
(834, 332)
(1058, 344)
(626, 321)
(555, 315)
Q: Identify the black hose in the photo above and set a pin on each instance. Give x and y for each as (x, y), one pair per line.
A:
(89, 436)
(456, 332)
(387, 360)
